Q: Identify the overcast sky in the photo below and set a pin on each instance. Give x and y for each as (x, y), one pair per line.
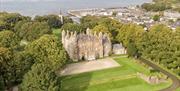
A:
(24, 0)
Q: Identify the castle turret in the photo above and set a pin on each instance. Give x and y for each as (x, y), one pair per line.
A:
(63, 34)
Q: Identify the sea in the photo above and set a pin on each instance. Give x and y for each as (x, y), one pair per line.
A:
(44, 7)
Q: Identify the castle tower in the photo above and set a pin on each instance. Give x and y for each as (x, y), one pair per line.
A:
(106, 45)
(99, 46)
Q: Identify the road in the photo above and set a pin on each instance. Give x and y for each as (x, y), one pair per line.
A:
(175, 80)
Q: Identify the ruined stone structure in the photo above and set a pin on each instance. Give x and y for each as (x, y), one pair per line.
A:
(86, 46)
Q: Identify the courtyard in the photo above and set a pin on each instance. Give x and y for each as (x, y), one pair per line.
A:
(88, 66)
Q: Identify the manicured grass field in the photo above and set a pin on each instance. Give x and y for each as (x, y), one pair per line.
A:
(121, 78)
(178, 89)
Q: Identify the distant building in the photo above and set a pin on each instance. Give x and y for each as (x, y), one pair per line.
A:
(172, 14)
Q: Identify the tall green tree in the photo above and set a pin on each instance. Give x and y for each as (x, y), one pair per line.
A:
(102, 28)
(54, 21)
(73, 27)
(131, 49)
(8, 20)
(13, 66)
(161, 45)
(9, 39)
(48, 48)
(89, 21)
(156, 17)
(129, 32)
(2, 87)
(40, 78)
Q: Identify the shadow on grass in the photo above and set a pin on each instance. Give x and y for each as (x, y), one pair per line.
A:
(79, 82)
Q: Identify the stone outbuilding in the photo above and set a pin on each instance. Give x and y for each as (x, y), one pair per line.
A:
(118, 49)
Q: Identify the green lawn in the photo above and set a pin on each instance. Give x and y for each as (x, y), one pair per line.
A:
(178, 89)
(121, 78)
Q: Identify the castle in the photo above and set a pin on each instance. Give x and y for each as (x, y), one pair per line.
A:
(86, 46)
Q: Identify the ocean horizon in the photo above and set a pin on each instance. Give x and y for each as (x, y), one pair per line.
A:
(44, 7)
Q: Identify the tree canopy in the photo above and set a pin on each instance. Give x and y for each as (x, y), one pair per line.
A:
(48, 48)
(8, 20)
(9, 39)
(160, 6)
(30, 31)
(54, 21)
(40, 78)
(73, 27)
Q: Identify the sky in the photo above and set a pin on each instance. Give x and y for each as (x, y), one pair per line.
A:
(24, 0)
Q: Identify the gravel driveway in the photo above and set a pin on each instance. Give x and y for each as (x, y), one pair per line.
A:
(87, 66)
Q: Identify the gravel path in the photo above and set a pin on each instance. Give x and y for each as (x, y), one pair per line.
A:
(87, 66)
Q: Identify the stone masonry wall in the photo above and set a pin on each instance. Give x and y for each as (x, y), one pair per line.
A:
(86, 46)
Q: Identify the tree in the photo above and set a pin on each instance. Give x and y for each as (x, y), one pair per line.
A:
(161, 45)
(131, 49)
(114, 14)
(40, 78)
(8, 20)
(2, 87)
(5, 68)
(129, 32)
(112, 25)
(31, 31)
(67, 20)
(147, 6)
(13, 66)
(101, 28)
(22, 62)
(89, 21)
(48, 48)
(156, 17)
(95, 21)
(158, 6)
(54, 21)
(9, 39)
(72, 27)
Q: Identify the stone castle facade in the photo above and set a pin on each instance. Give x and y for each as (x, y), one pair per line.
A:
(86, 46)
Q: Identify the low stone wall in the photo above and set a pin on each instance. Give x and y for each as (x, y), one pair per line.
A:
(151, 79)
